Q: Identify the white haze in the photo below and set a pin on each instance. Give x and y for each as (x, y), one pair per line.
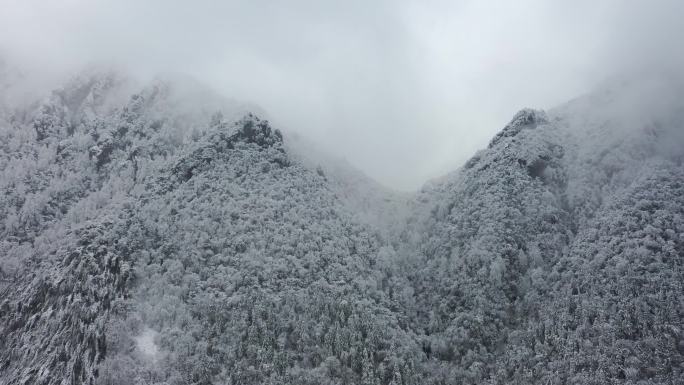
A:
(405, 90)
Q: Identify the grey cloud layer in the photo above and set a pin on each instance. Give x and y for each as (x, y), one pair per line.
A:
(405, 90)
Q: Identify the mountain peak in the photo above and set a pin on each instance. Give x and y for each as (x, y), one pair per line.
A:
(526, 118)
(160, 239)
(251, 129)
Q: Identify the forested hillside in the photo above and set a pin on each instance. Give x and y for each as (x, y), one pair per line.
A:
(555, 255)
(160, 234)
(147, 243)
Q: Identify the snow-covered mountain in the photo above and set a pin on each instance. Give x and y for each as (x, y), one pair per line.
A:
(555, 255)
(161, 234)
(155, 242)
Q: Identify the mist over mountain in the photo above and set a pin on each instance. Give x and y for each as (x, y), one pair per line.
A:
(158, 233)
(554, 256)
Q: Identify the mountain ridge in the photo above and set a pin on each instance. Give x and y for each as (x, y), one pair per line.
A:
(148, 239)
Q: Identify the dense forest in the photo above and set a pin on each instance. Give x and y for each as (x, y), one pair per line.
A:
(159, 234)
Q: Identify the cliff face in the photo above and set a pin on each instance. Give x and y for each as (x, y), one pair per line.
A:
(150, 238)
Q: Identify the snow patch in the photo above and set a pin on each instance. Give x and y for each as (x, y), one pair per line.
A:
(145, 344)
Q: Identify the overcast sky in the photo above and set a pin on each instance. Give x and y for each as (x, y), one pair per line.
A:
(405, 90)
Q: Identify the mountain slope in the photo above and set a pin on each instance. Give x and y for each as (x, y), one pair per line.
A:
(555, 255)
(163, 235)
(194, 256)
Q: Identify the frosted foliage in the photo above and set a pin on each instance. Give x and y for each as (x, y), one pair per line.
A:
(555, 256)
(159, 235)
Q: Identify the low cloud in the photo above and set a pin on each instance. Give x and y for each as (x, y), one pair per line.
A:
(405, 90)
